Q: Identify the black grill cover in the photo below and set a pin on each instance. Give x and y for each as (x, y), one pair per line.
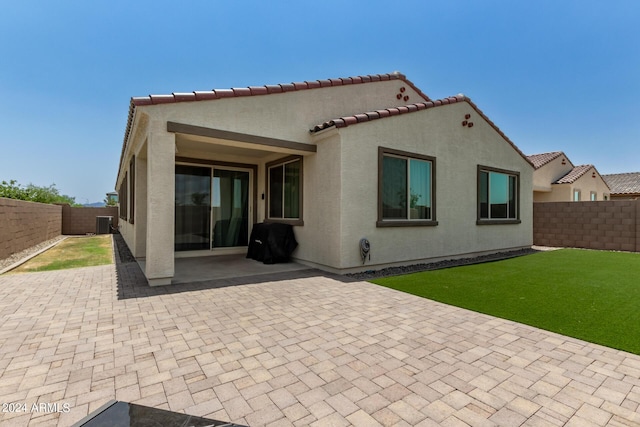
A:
(271, 243)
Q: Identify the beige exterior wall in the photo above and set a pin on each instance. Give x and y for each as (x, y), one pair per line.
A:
(587, 184)
(458, 150)
(340, 179)
(288, 115)
(624, 196)
(319, 238)
(560, 193)
(564, 192)
(551, 172)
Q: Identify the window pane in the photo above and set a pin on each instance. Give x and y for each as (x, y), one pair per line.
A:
(275, 191)
(231, 213)
(513, 189)
(420, 189)
(484, 194)
(292, 190)
(394, 188)
(498, 194)
(192, 203)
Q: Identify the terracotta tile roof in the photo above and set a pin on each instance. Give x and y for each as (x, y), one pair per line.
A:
(254, 91)
(623, 183)
(268, 89)
(410, 108)
(539, 160)
(387, 112)
(574, 174)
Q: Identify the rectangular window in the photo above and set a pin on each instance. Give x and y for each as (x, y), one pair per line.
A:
(132, 188)
(498, 196)
(576, 195)
(284, 190)
(405, 188)
(593, 196)
(122, 198)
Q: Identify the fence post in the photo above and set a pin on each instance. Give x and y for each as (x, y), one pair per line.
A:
(637, 224)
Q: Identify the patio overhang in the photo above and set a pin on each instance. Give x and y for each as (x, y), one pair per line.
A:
(542, 188)
(234, 142)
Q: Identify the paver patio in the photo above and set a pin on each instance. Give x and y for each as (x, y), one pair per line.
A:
(298, 349)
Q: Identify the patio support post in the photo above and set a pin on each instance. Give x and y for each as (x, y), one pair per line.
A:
(140, 245)
(159, 263)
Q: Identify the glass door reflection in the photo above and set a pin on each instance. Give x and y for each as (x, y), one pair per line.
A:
(230, 208)
(192, 208)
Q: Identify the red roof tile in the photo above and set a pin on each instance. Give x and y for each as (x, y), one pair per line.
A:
(203, 96)
(184, 97)
(268, 89)
(162, 99)
(259, 90)
(241, 91)
(539, 160)
(226, 93)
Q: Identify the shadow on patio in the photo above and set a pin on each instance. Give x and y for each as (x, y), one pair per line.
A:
(193, 274)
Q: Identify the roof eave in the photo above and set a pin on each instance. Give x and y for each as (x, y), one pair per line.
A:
(214, 94)
(410, 108)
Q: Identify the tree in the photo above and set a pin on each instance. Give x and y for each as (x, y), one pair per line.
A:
(34, 193)
(110, 201)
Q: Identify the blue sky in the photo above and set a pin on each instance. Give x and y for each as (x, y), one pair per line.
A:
(553, 75)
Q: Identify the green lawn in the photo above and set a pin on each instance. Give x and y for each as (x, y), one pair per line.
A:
(591, 295)
(73, 252)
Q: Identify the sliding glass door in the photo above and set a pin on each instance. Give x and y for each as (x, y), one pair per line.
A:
(230, 208)
(193, 208)
(212, 207)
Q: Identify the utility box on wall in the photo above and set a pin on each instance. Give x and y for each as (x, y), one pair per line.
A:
(79, 221)
(103, 224)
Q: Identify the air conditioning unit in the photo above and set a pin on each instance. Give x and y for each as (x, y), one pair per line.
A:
(103, 224)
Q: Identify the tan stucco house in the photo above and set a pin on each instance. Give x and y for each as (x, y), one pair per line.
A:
(339, 159)
(624, 186)
(556, 179)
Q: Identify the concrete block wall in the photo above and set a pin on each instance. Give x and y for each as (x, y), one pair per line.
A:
(82, 220)
(608, 225)
(26, 224)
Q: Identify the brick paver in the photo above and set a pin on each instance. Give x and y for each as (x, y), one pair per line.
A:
(301, 350)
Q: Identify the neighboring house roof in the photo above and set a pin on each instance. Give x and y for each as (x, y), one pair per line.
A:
(574, 174)
(255, 91)
(410, 108)
(623, 183)
(539, 160)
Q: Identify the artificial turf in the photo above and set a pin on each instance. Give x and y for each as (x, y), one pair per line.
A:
(586, 294)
